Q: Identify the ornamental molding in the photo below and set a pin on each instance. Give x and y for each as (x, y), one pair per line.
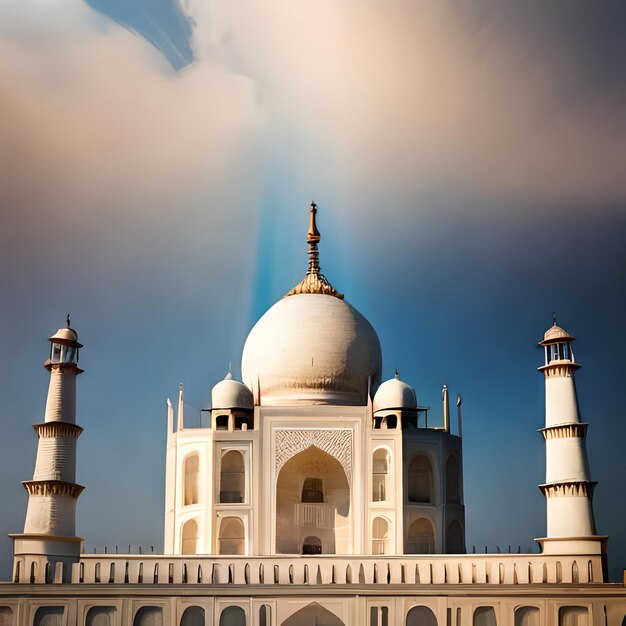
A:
(563, 431)
(62, 368)
(583, 489)
(52, 488)
(337, 442)
(315, 283)
(48, 430)
(559, 370)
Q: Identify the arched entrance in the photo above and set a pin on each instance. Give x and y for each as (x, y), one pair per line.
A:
(313, 500)
(313, 615)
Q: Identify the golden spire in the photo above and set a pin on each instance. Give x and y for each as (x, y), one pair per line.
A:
(314, 281)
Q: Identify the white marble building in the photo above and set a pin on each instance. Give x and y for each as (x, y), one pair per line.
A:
(316, 496)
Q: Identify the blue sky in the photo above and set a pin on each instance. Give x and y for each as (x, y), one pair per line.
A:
(158, 161)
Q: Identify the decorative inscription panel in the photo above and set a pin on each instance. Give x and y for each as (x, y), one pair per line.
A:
(334, 441)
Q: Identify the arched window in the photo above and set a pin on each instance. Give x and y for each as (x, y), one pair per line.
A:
(380, 535)
(100, 616)
(49, 616)
(265, 615)
(189, 534)
(232, 536)
(313, 490)
(312, 545)
(453, 482)
(233, 616)
(193, 616)
(421, 537)
(191, 475)
(420, 480)
(232, 477)
(573, 616)
(149, 616)
(6, 616)
(454, 538)
(380, 468)
(485, 616)
(421, 616)
(527, 616)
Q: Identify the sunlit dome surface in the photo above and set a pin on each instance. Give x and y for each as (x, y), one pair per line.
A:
(312, 349)
(395, 394)
(65, 335)
(556, 332)
(231, 394)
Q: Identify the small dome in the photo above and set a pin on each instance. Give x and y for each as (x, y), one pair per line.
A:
(395, 394)
(556, 333)
(231, 394)
(66, 336)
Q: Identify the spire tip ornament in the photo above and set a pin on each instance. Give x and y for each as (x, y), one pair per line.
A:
(314, 281)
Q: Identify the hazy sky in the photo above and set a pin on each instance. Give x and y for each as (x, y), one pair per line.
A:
(157, 160)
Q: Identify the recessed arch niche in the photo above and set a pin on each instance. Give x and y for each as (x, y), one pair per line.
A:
(6, 616)
(421, 616)
(327, 518)
(420, 537)
(454, 538)
(193, 616)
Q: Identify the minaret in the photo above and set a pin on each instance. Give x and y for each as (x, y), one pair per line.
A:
(49, 536)
(568, 488)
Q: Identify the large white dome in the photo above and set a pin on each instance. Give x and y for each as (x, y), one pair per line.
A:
(311, 348)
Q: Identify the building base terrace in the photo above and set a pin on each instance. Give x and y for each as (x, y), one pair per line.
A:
(438, 590)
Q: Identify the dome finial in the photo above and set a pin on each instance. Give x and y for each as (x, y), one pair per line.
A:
(554, 318)
(68, 320)
(313, 238)
(314, 281)
(314, 234)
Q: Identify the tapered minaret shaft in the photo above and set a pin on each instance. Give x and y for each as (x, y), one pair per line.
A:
(568, 488)
(50, 526)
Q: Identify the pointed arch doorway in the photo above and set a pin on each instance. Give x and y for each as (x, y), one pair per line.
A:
(313, 505)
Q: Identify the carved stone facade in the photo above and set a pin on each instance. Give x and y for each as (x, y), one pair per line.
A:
(337, 442)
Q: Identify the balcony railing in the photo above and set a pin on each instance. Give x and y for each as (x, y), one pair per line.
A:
(317, 515)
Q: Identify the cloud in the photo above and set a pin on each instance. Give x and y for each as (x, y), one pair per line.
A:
(430, 95)
(364, 104)
(100, 138)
